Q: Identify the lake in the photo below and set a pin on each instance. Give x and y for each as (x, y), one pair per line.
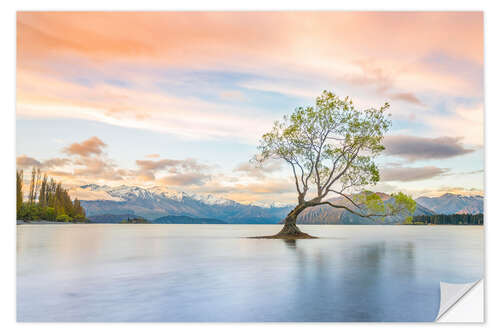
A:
(184, 273)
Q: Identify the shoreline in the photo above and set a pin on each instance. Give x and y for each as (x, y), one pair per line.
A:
(21, 222)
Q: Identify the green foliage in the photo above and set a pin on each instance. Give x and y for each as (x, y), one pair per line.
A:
(19, 191)
(332, 147)
(370, 201)
(332, 141)
(398, 204)
(79, 218)
(47, 200)
(29, 212)
(469, 219)
(408, 220)
(49, 214)
(63, 218)
(403, 204)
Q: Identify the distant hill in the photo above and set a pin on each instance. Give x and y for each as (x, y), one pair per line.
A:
(176, 219)
(325, 214)
(453, 204)
(111, 218)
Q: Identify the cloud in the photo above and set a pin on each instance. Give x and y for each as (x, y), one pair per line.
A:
(148, 165)
(475, 172)
(184, 179)
(98, 168)
(181, 172)
(86, 148)
(56, 162)
(271, 186)
(447, 189)
(233, 95)
(88, 163)
(24, 161)
(141, 105)
(108, 72)
(428, 192)
(259, 170)
(186, 164)
(414, 148)
(383, 81)
(135, 70)
(407, 97)
(57, 173)
(89, 194)
(408, 174)
(461, 121)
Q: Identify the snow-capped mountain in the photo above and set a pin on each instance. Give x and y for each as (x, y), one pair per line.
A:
(155, 202)
(273, 204)
(453, 204)
(167, 193)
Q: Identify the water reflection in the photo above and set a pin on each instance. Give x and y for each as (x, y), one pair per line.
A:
(211, 273)
(357, 276)
(290, 243)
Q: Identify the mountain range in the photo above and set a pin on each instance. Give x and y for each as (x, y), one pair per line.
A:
(167, 206)
(156, 202)
(453, 204)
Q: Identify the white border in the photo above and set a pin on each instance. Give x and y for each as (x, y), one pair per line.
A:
(7, 132)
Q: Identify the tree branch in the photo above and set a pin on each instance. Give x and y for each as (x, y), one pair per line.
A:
(348, 198)
(348, 209)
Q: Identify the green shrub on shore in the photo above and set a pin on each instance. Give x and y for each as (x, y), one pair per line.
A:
(63, 218)
(49, 214)
(79, 218)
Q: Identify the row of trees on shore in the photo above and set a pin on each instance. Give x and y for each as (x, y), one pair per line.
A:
(46, 200)
(474, 219)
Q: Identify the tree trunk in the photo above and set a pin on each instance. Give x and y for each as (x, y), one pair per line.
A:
(290, 226)
(290, 229)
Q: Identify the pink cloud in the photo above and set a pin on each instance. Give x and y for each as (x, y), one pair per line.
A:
(88, 147)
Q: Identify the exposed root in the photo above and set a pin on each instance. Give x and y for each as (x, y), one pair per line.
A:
(289, 231)
(302, 235)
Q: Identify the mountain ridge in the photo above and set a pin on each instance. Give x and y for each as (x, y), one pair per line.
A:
(326, 214)
(157, 202)
(450, 203)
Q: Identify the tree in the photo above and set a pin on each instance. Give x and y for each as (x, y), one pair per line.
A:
(34, 185)
(19, 192)
(78, 211)
(330, 148)
(54, 202)
(42, 197)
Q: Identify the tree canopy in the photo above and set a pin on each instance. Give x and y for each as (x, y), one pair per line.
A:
(331, 148)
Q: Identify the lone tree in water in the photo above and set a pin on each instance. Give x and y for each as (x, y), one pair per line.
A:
(331, 149)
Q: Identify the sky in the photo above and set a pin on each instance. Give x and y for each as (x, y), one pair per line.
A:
(181, 99)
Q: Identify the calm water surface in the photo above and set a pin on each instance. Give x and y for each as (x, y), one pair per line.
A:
(210, 273)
